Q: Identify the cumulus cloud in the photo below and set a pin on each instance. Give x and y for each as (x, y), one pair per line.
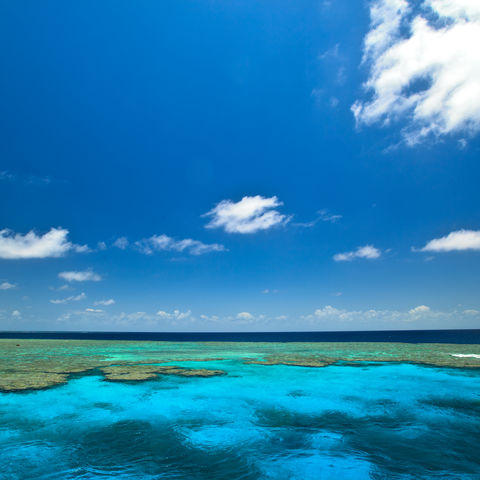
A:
(244, 316)
(419, 309)
(72, 298)
(105, 303)
(158, 243)
(51, 244)
(82, 276)
(249, 215)
(16, 314)
(423, 67)
(454, 241)
(367, 251)
(7, 286)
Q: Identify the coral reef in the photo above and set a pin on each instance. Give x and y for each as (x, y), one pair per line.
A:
(37, 364)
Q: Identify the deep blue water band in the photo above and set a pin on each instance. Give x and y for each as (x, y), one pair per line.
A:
(405, 336)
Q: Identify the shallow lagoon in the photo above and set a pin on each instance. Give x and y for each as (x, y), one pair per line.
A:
(371, 411)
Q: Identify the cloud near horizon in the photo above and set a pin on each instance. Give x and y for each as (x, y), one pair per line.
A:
(423, 67)
(459, 240)
(422, 316)
(367, 251)
(53, 244)
(327, 318)
(249, 215)
(175, 315)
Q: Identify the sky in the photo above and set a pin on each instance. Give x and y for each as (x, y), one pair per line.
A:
(239, 166)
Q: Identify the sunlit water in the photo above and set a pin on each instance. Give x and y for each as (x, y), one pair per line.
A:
(379, 421)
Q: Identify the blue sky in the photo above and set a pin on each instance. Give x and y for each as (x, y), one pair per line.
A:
(203, 165)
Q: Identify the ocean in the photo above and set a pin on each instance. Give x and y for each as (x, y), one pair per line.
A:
(357, 405)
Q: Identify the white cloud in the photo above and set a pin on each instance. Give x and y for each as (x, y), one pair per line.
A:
(454, 241)
(419, 309)
(121, 243)
(367, 251)
(175, 315)
(94, 310)
(158, 243)
(424, 67)
(105, 303)
(86, 275)
(7, 286)
(51, 244)
(16, 314)
(72, 298)
(244, 316)
(249, 215)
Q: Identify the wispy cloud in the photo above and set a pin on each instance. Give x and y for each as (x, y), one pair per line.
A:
(105, 303)
(8, 176)
(249, 215)
(323, 215)
(72, 298)
(80, 276)
(367, 251)
(7, 286)
(121, 243)
(31, 245)
(423, 67)
(455, 241)
(159, 243)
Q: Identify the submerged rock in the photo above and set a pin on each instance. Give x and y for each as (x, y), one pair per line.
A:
(120, 373)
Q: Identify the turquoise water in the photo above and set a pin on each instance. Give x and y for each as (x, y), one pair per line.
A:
(370, 421)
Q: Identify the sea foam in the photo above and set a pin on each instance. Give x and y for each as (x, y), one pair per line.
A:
(465, 355)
